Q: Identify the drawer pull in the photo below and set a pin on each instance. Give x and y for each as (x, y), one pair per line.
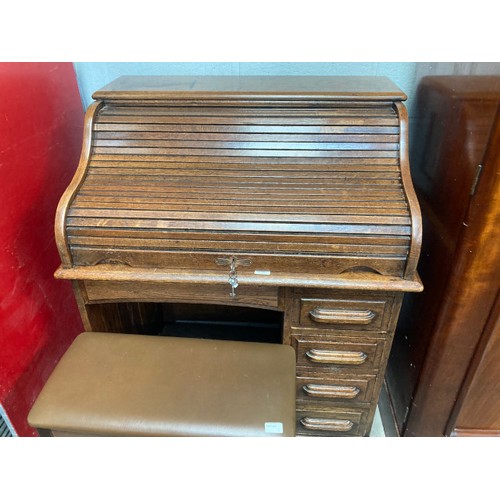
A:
(331, 391)
(343, 316)
(336, 357)
(326, 424)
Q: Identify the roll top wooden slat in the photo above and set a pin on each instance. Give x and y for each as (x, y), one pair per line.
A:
(294, 175)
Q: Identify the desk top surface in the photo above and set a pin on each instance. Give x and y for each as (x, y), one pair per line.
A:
(324, 87)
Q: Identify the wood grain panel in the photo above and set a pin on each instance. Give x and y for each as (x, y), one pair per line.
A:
(270, 263)
(337, 353)
(281, 172)
(331, 422)
(353, 314)
(252, 296)
(339, 388)
(254, 89)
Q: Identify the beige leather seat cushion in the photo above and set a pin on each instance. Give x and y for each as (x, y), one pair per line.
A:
(134, 385)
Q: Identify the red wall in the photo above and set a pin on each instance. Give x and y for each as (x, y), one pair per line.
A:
(41, 129)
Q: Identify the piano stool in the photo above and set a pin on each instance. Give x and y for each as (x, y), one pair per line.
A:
(109, 384)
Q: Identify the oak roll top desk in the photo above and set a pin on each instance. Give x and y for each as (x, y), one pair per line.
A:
(251, 200)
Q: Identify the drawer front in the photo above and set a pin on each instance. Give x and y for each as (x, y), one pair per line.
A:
(339, 389)
(256, 296)
(334, 422)
(345, 355)
(367, 315)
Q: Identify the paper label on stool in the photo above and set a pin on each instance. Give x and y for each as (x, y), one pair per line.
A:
(274, 427)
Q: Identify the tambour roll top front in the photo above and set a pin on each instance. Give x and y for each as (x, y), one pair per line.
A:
(285, 176)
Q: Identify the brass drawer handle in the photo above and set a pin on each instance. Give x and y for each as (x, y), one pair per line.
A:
(326, 424)
(343, 316)
(331, 391)
(336, 357)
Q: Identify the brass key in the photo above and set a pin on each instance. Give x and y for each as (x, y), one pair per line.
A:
(233, 277)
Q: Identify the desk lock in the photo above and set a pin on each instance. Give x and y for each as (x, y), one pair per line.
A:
(232, 262)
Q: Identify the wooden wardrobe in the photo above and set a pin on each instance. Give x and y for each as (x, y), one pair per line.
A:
(444, 371)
